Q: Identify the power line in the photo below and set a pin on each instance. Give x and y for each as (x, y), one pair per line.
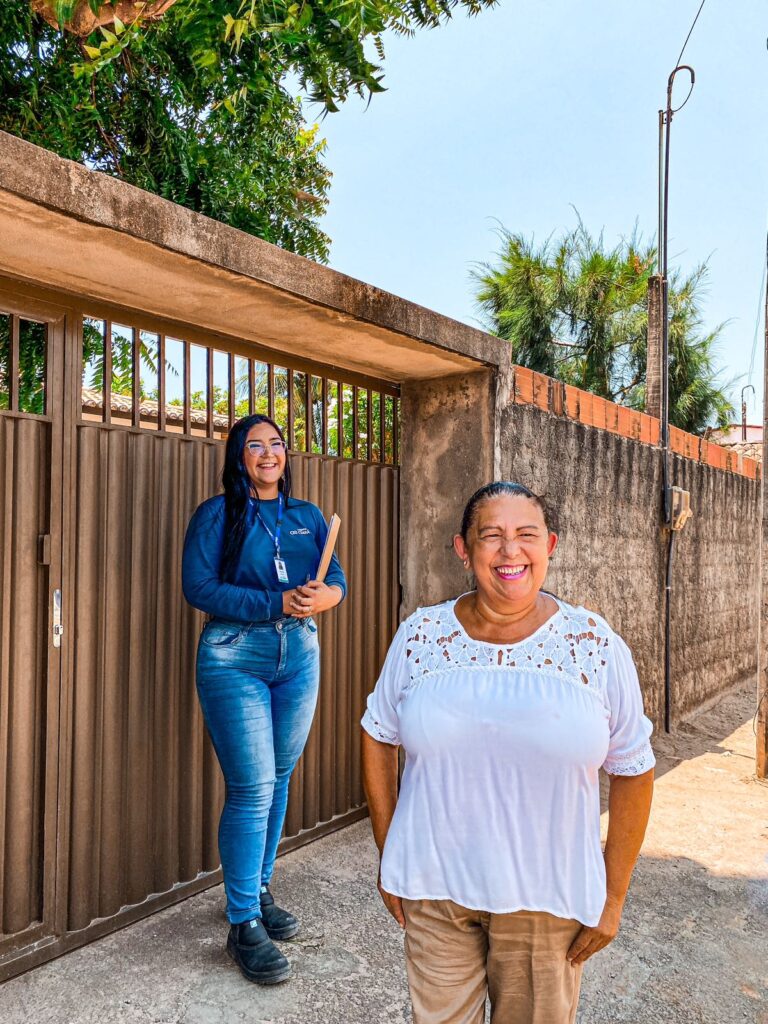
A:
(693, 26)
(758, 318)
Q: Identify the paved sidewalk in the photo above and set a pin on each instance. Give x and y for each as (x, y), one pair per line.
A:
(692, 948)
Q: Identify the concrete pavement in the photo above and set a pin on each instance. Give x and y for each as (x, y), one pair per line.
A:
(692, 950)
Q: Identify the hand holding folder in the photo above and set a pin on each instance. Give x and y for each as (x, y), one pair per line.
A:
(305, 597)
(330, 544)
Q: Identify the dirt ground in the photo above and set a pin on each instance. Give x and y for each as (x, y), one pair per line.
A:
(693, 948)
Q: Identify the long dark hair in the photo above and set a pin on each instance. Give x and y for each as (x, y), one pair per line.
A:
(513, 490)
(237, 489)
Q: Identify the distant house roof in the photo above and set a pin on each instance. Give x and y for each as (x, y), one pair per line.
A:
(92, 400)
(733, 434)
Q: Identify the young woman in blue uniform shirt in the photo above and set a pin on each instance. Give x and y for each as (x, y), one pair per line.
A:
(250, 557)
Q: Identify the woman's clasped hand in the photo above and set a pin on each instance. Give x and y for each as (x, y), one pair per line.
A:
(506, 700)
(311, 598)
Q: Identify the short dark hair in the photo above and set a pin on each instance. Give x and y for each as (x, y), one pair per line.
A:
(510, 489)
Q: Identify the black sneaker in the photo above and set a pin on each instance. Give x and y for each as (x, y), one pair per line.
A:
(255, 954)
(279, 924)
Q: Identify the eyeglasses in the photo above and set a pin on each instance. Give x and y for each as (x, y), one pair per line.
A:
(256, 448)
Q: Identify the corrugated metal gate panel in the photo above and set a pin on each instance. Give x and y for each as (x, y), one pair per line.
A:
(24, 481)
(354, 638)
(146, 789)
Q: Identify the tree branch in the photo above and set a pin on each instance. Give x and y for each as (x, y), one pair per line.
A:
(109, 142)
(628, 387)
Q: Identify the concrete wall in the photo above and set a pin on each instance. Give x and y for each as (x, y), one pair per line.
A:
(715, 607)
(461, 432)
(447, 452)
(611, 558)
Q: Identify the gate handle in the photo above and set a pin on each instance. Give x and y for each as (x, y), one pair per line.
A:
(58, 629)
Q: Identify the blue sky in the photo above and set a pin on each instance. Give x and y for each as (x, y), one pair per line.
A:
(533, 108)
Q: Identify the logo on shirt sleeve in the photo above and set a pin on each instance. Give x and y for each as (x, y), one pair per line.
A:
(302, 532)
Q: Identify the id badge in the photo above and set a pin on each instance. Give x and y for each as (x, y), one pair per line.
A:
(282, 572)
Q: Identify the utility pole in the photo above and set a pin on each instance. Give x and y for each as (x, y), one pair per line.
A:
(761, 753)
(671, 523)
(653, 370)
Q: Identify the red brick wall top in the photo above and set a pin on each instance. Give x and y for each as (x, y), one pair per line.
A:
(553, 396)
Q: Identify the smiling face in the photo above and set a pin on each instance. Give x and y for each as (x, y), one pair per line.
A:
(266, 468)
(508, 548)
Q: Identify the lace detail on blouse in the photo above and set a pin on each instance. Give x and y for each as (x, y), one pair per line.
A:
(572, 643)
(636, 762)
(377, 730)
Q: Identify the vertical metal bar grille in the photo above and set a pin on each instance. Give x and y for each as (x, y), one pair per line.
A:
(107, 410)
(396, 431)
(366, 426)
(161, 382)
(290, 411)
(340, 414)
(370, 426)
(324, 425)
(232, 388)
(187, 388)
(355, 424)
(136, 381)
(307, 412)
(310, 414)
(382, 428)
(209, 391)
(13, 366)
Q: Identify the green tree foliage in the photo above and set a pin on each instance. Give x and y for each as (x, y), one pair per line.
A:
(577, 311)
(196, 107)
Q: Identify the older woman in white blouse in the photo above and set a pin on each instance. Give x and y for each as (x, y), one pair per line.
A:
(507, 702)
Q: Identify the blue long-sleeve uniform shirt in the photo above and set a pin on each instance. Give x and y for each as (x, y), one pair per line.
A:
(254, 593)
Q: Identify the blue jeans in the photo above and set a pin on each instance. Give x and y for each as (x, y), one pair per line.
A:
(258, 690)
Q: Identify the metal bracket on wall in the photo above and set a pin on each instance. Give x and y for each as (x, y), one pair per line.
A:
(681, 507)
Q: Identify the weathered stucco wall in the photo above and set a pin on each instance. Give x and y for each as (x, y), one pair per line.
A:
(459, 433)
(611, 558)
(447, 452)
(715, 606)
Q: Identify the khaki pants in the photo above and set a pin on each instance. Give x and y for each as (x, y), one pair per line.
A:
(455, 957)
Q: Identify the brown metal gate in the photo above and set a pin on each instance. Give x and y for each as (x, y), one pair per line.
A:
(111, 792)
(31, 346)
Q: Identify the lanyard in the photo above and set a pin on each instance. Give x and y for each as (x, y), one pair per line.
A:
(276, 535)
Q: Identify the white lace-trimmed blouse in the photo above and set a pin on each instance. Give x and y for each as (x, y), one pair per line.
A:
(499, 806)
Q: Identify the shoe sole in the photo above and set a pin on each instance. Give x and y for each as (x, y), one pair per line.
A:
(283, 934)
(274, 978)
